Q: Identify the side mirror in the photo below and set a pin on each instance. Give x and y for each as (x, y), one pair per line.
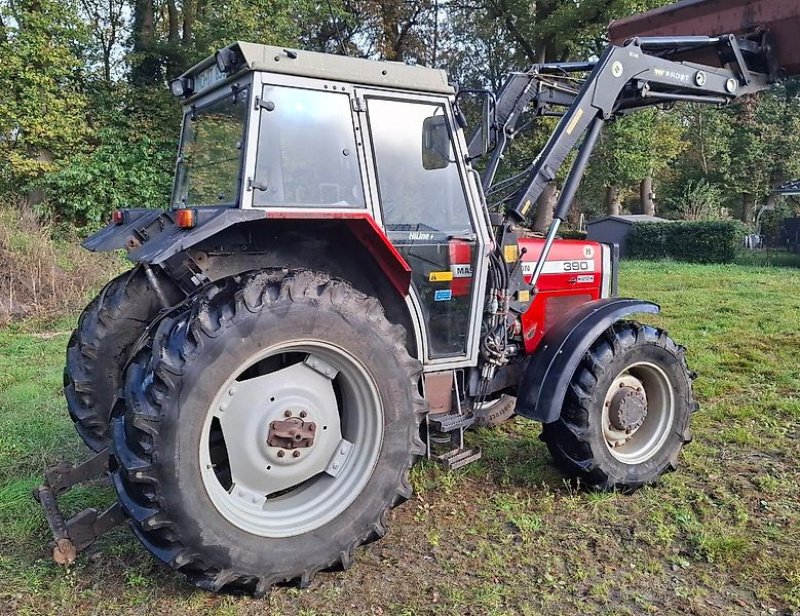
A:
(435, 143)
(477, 107)
(487, 121)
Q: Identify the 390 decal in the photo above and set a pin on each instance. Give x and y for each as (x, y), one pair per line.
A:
(560, 267)
(577, 266)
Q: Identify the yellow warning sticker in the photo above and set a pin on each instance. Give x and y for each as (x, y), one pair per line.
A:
(526, 207)
(523, 296)
(574, 122)
(510, 252)
(440, 276)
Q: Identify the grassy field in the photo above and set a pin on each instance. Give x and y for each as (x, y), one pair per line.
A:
(506, 535)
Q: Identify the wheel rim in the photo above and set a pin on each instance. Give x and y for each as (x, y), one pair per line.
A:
(291, 438)
(638, 413)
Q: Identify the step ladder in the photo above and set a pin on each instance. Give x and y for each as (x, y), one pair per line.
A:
(447, 429)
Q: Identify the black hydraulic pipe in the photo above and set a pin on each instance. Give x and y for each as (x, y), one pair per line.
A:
(578, 167)
(565, 67)
(668, 42)
(567, 194)
(694, 98)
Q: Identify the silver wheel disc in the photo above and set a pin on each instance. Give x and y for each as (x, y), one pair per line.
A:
(638, 413)
(291, 439)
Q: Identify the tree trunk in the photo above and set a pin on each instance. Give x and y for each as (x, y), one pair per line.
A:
(189, 13)
(748, 205)
(646, 196)
(777, 178)
(544, 208)
(147, 69)
(173, 27)
(612, 201)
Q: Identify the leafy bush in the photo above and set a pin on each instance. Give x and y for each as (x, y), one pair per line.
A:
(649, 240)
(700, 201)
(692, 241)
(124, 170)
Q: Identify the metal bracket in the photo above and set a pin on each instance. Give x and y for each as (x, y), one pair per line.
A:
(81, 530)
(358, 104)
(339, 458)
(321, 366)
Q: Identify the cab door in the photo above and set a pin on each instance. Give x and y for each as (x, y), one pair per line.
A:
(425, 211)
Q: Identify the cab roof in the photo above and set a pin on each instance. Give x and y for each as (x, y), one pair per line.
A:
(267, 58)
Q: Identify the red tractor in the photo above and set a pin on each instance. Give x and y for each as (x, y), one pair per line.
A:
(336, 291)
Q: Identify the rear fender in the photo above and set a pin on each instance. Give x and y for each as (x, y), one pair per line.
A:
(544, 384)
(227, 242)
(152, 236)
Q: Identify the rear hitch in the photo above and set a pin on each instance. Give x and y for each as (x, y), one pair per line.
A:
(74, 535)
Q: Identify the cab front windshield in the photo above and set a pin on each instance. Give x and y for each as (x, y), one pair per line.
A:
(210, 156)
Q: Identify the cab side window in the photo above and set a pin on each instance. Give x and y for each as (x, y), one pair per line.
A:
(307, 150)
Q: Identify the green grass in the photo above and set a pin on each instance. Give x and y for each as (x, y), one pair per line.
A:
(506, 535)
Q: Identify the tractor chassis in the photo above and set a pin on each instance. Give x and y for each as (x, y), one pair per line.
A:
(75, 534)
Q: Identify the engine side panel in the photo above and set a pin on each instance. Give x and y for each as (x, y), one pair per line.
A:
(573, 275)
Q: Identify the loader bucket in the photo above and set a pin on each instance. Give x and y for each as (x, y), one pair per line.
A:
(781, 18)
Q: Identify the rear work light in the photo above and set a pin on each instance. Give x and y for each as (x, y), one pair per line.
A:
(185, 219)
(118, 217)
(182, 86)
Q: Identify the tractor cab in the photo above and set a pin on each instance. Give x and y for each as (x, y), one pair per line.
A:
(311, 136)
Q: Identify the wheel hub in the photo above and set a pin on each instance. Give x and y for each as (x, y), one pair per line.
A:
(257, 473)
(637, 413)
(628, 409)
(292, 433)
(281, 428)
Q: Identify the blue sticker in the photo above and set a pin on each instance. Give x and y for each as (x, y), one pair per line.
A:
(442, 295)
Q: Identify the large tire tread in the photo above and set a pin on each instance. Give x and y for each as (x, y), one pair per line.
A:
(98, 349)
(568, 438)
(154, 371)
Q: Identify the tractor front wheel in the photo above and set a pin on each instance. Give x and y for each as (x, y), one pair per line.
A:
(268, 428)
(626, 414)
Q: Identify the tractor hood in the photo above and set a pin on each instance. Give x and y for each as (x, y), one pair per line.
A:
(779, 18)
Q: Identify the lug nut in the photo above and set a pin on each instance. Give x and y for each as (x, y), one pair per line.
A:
(303, 413)
(295, 454)
(281, 453)
(287, 413)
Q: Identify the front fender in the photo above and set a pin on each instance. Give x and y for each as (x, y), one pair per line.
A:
(544, 384)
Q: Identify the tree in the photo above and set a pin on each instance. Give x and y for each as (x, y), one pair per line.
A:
(635, 147)
(42, 116)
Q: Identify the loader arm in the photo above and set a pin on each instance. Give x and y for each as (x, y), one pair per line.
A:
(640, 73)
(633, 76)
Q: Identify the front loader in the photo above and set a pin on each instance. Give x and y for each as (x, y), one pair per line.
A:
(335, 291)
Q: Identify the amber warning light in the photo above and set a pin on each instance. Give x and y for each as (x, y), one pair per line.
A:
(118, 217)
(185, 219)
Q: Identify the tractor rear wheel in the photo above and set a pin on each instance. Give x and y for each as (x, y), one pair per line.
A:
(626, 414)
(268, 428)
(98, 349)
